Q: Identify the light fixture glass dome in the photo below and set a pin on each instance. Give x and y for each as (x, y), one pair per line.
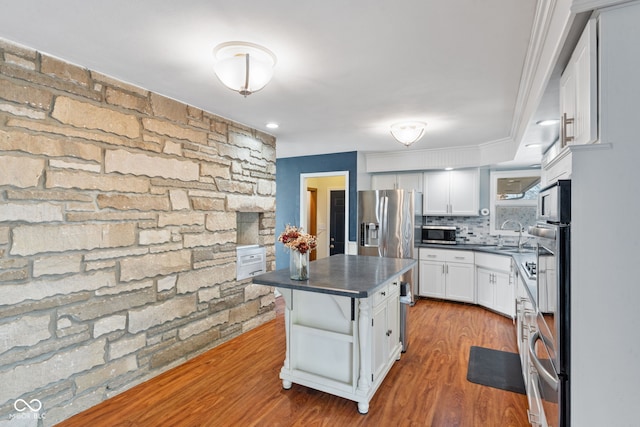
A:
(408, 132)
(243, 67)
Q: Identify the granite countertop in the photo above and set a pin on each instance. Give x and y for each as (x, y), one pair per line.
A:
(353, 276)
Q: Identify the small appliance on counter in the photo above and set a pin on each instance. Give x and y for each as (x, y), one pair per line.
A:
(439, 234)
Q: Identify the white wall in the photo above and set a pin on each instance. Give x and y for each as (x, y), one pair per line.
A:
(605, 357)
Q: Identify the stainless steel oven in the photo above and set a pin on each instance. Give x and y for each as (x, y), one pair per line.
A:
(549, 346)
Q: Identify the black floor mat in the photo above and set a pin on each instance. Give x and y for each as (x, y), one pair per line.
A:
(495, 368)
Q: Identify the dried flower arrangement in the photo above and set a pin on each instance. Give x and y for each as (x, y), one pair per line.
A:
(296, 239)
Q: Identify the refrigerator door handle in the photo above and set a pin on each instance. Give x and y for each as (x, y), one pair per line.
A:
(545, 375)
(382, 245)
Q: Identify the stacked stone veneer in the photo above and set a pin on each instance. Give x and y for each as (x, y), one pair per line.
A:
(117, 233)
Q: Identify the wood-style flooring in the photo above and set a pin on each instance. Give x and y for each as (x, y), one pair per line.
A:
(237, 384)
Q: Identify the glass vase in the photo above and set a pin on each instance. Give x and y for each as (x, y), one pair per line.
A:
(299, 265)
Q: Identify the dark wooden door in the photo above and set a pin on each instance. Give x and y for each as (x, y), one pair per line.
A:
(336, 222)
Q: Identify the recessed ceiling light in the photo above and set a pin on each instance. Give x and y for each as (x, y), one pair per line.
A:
(448, 169)
(548, 122)
(273, 125)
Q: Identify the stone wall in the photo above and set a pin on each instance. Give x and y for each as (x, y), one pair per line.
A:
(117, 234)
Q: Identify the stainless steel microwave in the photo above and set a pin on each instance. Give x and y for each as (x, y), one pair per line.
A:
(439, 234)
(554, 203)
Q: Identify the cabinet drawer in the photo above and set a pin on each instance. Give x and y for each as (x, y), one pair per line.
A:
(381, 294)
(493, 262)
(394, 287)
(446, 255)
(460, 256)
(428, 254)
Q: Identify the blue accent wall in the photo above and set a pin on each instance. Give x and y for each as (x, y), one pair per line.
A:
(288, 172)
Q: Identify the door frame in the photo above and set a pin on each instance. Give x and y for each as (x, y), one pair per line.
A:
(304, 202)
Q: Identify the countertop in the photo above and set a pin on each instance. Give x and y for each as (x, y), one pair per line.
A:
(353, 276)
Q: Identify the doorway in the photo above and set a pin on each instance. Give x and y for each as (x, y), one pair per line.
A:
(330, 215)
(336, 222)
(312, 227)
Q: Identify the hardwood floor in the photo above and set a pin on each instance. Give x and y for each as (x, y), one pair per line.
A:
(237, 383)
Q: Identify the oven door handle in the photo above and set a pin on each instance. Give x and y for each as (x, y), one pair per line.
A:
(546, 376)
(545, 232)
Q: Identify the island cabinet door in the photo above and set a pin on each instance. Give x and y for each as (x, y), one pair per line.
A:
(380, 346)
(385, 329)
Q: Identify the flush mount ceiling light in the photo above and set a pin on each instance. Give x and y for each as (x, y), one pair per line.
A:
(408, 132)
(243, 67)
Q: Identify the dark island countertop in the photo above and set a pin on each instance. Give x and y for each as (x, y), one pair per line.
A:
(353, 276)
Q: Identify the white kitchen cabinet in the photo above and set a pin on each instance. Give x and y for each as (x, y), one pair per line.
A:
(452, 193)
(447, 274)
(578, 92)
(386, 327)
(494, 283)
(397, 181)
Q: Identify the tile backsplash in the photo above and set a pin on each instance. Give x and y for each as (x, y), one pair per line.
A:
(477, 229)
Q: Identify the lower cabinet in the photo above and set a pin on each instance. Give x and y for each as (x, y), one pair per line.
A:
(467, 276)
(386, 327)
(494, 280)
(447, 274)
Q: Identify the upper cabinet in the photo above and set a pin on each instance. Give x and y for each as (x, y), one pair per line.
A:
(454, 193)
(397, 181)
(578, 107)
(578, 92)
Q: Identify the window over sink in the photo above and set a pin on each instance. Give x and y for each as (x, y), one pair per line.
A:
(514, 197)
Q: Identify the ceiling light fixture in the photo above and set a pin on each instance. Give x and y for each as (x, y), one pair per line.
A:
(272, 125)
(243, 67)
(408, 132)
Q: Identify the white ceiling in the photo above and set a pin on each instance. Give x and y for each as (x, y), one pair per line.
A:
(346, 69)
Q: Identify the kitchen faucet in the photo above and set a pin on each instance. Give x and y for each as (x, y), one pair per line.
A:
(520, 228)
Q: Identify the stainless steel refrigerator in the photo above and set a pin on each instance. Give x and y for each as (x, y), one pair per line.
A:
(387, 221)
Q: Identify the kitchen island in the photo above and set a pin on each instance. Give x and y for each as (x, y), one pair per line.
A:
(342, 325)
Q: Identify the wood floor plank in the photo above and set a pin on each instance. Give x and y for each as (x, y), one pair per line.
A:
(237, 384)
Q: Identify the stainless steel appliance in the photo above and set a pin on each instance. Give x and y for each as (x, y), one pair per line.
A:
(387, 227)
(439, 234)
(549, 346)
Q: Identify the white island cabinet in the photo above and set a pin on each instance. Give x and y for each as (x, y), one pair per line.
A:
(342, 325)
